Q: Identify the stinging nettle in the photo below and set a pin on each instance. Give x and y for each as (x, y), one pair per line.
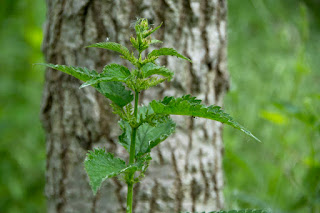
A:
(143, 127)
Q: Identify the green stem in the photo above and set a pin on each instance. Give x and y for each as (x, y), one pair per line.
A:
(132, 155)
(136, 101)
(129, 198)
(132, 145)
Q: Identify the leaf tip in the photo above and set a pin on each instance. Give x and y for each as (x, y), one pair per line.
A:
(83, 85)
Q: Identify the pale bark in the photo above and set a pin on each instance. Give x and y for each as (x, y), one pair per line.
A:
(186, 173)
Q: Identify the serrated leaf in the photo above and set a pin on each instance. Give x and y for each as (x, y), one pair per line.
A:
(116, 92)
(116, 70)
(117, 48)
(83, 74)
(144, 84)
(100, 165)
(187, 105)
(147, 136)
(112, 46)
(139, 84)
(153, 69)
(111, 72)
(151, 136)
(241, 211)
(167, 51)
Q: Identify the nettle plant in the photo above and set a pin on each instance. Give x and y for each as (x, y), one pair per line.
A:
(143, 127)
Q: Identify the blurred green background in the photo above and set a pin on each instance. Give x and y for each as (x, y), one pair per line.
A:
(274, 49)
(275, 92)
(22, 146)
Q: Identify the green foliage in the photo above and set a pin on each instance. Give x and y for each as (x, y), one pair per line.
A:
(145, 127)
(138, 84)
(306, 115)
(116, 92)
(153, 69)
(281, 84)
(148, 136)
(166, 51)
(143, 32)
(187, 105)
(101, 165)
(237, 211)
(117, 48)
(241, 211)
(270, 25)
(147, 32)
(22, 150)
(311, 192)
(106, 83)
(111, 72)
(154, 41)
(80, 73)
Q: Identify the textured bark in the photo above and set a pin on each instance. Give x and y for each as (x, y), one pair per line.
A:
(186, 174)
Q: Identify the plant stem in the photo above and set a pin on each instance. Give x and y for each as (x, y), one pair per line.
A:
(136, 101)
(132, 155)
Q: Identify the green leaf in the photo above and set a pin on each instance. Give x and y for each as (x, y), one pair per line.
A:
(151, 69)
(166, 51)
(117, 48)
(241, 211)
(147, 136)
(154, 41)
(116, 92)
(139, 84)
(111, 72)
(150, 31)
(100, 166)
(112, 46)
(116, 70)
(187, 105)
(80, 73)
(150, 136)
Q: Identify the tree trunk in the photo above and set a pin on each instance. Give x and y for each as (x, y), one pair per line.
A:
(186, 173)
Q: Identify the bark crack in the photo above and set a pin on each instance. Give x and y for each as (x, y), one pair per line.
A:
(101, 30)
(83, 15)
(190, 140)
(215, 171)
(63, 157)
(154, 196)
(205, 179)
(56, 35)
(118, 189)
(179, 192)
(94, 202)
(195, 192)
(160, 156)
(161, 14)
(221, 81)
(136, 189)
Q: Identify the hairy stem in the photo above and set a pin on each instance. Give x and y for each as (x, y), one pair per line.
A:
(132, 155)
